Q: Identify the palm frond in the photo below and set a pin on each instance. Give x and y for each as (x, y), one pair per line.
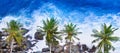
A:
(76, 38)
(50, 27)
(13, 28)
(105, 37)
(71, 31)
(113, 38)
(95, 40)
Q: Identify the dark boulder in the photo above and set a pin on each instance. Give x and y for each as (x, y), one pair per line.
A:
(45, 49)
(58, 49)
(92, 50)
(39, 36)
(37, 52)
(0, 32)
(17, 49)
(28, 44)
(84, 47)
(0, 35)
(4, 33)
(4, 45)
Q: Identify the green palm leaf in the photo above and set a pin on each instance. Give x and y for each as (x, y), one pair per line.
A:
(13, 28)
(50, 28)
(104, 37)
(71, 32)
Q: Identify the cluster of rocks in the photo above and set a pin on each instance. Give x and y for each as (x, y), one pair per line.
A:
(74, 49)
(26, 45)
(78, 48)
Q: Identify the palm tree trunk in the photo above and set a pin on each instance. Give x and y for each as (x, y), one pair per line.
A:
(11, 46)
(50, 48)
(106, 49)
(70, 45)
(70, 48)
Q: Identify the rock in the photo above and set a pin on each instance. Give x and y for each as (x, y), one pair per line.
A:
(84, 47)
(4, 45)
(4, 33)
(27, 43)
(92, 50)
(37, 52)
(39, 35)
(46, 52)
(17, 49)
(0, 35)
(45, 49)
(58, 49)
(79, 46)
(0, 32)
(75, 49)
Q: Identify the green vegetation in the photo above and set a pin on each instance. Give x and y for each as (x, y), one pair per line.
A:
(13, 29)
(50, 27)
(71, 31)
(104, 37)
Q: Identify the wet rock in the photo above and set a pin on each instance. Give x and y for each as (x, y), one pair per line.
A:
(75, 49)
(38, 36)
(92, 50)
(28, 44)
(17, 49)
(45, 49)
(0, 32)
(4, 33)
(0, 35)
(46, 52)
(84, 47)
(58, 49)
(37, 52)
(4, 45)
(80, 47)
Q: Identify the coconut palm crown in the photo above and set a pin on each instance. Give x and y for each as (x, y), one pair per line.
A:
(50, 27)
(105, 38)
(13, 29)
(71, 31)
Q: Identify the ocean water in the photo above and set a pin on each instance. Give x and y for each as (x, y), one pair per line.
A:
(87, 15)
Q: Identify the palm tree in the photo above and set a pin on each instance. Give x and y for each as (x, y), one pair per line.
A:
(50, 27)
(104, 37)
(71, 31)
(13, 29)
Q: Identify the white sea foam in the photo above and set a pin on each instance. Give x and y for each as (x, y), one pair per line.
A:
(90, 22)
